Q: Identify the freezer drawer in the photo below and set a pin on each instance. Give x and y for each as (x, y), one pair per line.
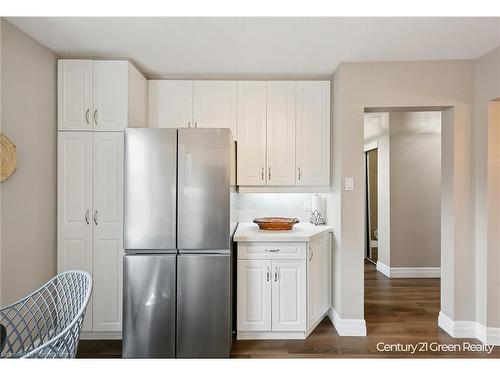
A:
(149, 306)
(204, 306)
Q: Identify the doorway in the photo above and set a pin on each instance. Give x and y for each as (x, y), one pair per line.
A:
(371, 173)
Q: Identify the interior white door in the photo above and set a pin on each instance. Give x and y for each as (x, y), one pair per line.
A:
(251, 153)
(170, 104)
(74, 94)
(318, 279)
(110, 95)
(313, 133)
(254, 295)
(107, 221)
(215, 105)
(280, 133)
(289, 295)
(74, 205)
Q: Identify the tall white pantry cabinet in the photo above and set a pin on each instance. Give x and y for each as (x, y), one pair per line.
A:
(97, 100)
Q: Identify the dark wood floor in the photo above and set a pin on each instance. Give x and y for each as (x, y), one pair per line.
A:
(401, 311)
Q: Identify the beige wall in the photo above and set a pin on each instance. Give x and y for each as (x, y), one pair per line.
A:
(400, 84)
(487, 190)
(28, 201)
(415, 189)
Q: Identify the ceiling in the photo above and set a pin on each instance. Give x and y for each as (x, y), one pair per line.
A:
(177, 47)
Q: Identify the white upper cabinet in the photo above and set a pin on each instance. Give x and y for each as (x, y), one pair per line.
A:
(110, 99)
(280, 133)
(170, 104)
(215, 105)
(74, 86)
(100, 95)
(313, 133)
(107, 220)
(251, 133)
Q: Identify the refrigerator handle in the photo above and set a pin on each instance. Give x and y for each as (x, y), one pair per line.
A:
(188, 167)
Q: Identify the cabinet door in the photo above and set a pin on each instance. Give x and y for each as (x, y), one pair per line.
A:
(313, 133)
(318, 279)
(170, 104)
(107, 220)
(215, 105)
(254, 295)
(74, 94)
(110, 99)
(289, 295)
(251, 152)
(280, 133)
(74, 205)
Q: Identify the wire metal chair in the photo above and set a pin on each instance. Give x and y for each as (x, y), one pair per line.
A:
(48, 322)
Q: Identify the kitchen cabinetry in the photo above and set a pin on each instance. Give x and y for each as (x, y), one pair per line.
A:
(104, 95)
(313, 133)
(283, 287)
(97, 100)
(193, 104)
(291, 146)
(90, 212)
(280, 133)
(252, 133)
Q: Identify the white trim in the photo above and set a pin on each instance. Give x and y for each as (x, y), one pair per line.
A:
(87, 335)
(271, 335)
(469, 329)
(409, 272)
(386, 270)
(347, 327)
(284, 189)
(371, 146)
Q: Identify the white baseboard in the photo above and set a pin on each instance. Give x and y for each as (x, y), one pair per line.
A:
(347, 327)
(87, 335)
(386, 270)
(469, 329)
(409, 272)
(270, 335)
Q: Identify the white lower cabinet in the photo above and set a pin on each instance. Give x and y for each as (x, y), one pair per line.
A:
(278, 295)
(90, 221)
(254, 295)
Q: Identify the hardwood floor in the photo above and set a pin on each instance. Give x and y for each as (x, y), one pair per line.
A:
(403, 311)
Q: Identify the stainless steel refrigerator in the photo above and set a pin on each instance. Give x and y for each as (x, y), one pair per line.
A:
(178, 231)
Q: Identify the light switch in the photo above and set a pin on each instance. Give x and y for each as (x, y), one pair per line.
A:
(307, 205)
(349, 184)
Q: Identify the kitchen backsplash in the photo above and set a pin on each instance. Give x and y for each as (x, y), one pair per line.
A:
(252, 205)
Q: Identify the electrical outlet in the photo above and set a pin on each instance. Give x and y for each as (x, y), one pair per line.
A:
(349, 184)
(307, 205)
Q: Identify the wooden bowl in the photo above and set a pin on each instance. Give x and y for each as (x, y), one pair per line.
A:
(276, 223)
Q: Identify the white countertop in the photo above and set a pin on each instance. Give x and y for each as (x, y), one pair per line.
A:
(303, 232)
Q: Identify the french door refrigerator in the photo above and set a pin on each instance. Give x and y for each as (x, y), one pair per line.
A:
(178, 231)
